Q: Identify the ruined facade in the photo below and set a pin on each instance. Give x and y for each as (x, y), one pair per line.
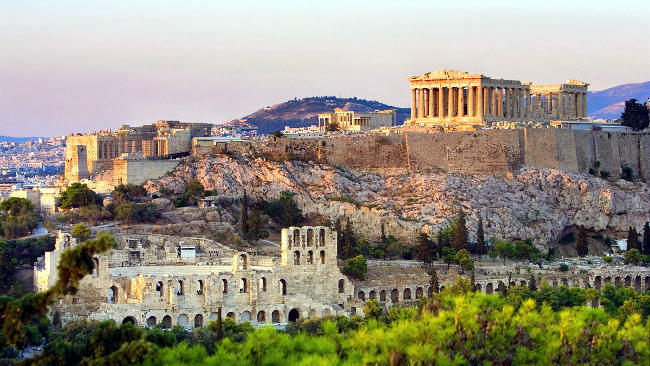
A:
(88, 155)
(353, 121)
(451, 98)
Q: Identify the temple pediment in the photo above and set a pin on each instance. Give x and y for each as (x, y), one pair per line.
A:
(444, 74)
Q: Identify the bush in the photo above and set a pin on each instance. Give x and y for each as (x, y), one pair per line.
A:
(347, 200)
(78, 195)
(80, 232)
(134, 213)
(356, 267)
(608, 259)
(564, 267)
(18, 218)
(284, 211)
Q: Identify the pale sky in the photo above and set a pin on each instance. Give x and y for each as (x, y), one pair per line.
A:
(79, 66)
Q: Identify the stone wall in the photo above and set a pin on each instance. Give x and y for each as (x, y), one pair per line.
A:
(127, 171)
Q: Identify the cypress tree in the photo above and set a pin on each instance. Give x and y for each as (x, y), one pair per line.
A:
(472, 280)
(435, 285)
(532, 285)
(646, 239)
(632, 239)
(581, 243)
(480, 237)
(425, 249)
(460, 236)
(219, 326)
(244, 214)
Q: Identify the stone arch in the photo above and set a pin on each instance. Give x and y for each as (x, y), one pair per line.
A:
(113, 295)
(200, 290)
(407, 294)
(243, 285)
(608, 279)
(243, 262)
(310, 237)
(275, 316)
(394, 296)
(96, 267)
(628, 281)
(183, 320)
(167, 322)
(296, 237)
(489, 288)
(597, 282)
(245, 316)
(261, 316)
(231, 315)
(198, 320)
(130, 319)
(419, 293)
(310, 257)
(382, 295)
(326, 312)
(501, 287)
(294, 315)
(321, 257)
(372, 295)
(321, 237)
(263, 283)
(637, 283)
(283, 287)
(225, 285)
(181, 288)
(522, 283)
(617, 281)
(312, 313)
(159, 289)
(565, 282)
(341, 286)
(477, 288)
(647, 283)
(512, 284)
(362, 295)
(442, 288)
(296, 258)
(151, 321)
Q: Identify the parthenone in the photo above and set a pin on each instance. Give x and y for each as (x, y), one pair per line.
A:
(455, 98)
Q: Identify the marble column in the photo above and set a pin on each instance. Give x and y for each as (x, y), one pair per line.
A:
(584, 105)
(554, 105)
(450, 102)
(493, 101)
(528, 104)
(486, 109)
(499, 102)
(431, 103)
(413, 92)
(479, 101)
(441, 102)
(470, 101)
(420, 103)
(461, 101)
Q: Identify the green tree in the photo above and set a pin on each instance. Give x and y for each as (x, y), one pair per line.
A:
(135, 213)
(426, 250)
(635, 115)
(464, 260)
(433, 281)
(18, 217)
(633, 239)
(646, 239)
(277, 135)
(356, 267)
(449, 255)
(80, 232)
(633, 256)
(348, 243)
(581, 242)
(244, 214)
(480, 238)
(255, 225)
(373, 309)
(460, 235)
(505, 250)
(78, 195)
(128, 192)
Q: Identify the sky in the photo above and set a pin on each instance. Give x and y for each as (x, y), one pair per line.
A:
(81, 66)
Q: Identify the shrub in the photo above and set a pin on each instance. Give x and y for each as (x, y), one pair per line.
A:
(564, 267)
(347, 200)
(78, 195)
(356, 267)
(133, 213)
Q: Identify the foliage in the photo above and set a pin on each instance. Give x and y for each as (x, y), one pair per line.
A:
(633, 239)
(460, 235)
(16, 252)
(87, 214)
(128, 192)
(581, 243)
(244, 214)
(646, 239)
(426, 249)
(633, 256)
(563, 267)
(449, 255)
(78, 195)
(347, 200)
(464, 261)
(635, 115)
(608, 259)
(80, 232)
(255, 225)
(18, 217)
(480, 238)
(135, 213)
(505, 249)
(356, 267)
(193, 191)
(373, 309)
(277, 135)
(284, 211)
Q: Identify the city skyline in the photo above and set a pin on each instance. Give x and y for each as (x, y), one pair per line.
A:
(77, 67)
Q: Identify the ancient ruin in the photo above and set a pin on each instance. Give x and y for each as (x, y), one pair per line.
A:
(354, 121)
(455, 98)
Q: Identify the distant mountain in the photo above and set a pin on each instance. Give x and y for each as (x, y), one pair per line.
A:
(18, 140)
(609, 103)
(303, 112)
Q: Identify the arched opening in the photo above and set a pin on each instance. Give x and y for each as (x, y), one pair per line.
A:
(419, 292)
(321, 258)
(637, 283)
(159, 288)
(243, 285)
(429, 291)
(112, 295)
(263, 283)
(283, 287)
(617, 281)
(245, 316)
(565, 282)
(585, 283)
(214, 316)
(647, 283)
(321, 237)
(341, 286)
(477, 288)
(275, 316)
(442, 288)
(522, 283)
(167, 322)
(608, 280)
(296, 258)
(231, 315)
(382, 295)
(198, 320)
(129, 319)
(96, 267)
(407, 294)
(182, 320)
(243, 262)
(225, 286)
(310, 257)
(597, 283)
(362, 295)
(311, 313)
(326, 312)
(310, 237)
(181, 289)
(296, 237)
(294, 315)
(199, 291)
(628, 281)
(489, 288)
(261, 317)
(151, 321)
(372, 295)
(501, 287)
(394, 296)
(512, 284)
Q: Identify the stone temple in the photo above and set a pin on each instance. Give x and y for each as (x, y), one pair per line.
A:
(454, 98)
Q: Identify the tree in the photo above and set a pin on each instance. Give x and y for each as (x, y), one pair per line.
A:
(277, 135)
(532, 284)
(460, 235)
(633, 256)
(128, 192)
(18, 217)
(356, 267)
(633, 239)
(464, 261)
(433, 281)
(348, 243)
(135, 213)
(426, 250)
(78, 195)
(244, 214)
(80, 232)
(505, 250)
(373, 309)
(635, 115)
(480, 238)
(255, 225)
(581, 243)
(646, 239)
(449, 255)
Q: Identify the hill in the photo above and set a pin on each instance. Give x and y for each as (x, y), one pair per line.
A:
(609, 103)
(303, 112)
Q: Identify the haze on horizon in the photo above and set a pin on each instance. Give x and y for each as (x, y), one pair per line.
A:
(76, 66)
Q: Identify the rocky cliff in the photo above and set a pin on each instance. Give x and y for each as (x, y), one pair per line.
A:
(535, 204)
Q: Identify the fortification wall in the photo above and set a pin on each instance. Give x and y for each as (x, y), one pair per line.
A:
(139, 171)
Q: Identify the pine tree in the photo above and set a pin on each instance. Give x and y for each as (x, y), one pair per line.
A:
(348, 243)
(244, 214)
(480, 238)
(646, 239)
(632, 239)
(532, 285)
(472, 280)
(425, 249)
(581, 243)
(435, 285)
(219, 325)
(460, 236)
(384, 239)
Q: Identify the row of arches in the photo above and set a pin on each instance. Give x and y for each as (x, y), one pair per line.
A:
(307, 240)
(640, 284)
(382, 295)
(309, 259)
